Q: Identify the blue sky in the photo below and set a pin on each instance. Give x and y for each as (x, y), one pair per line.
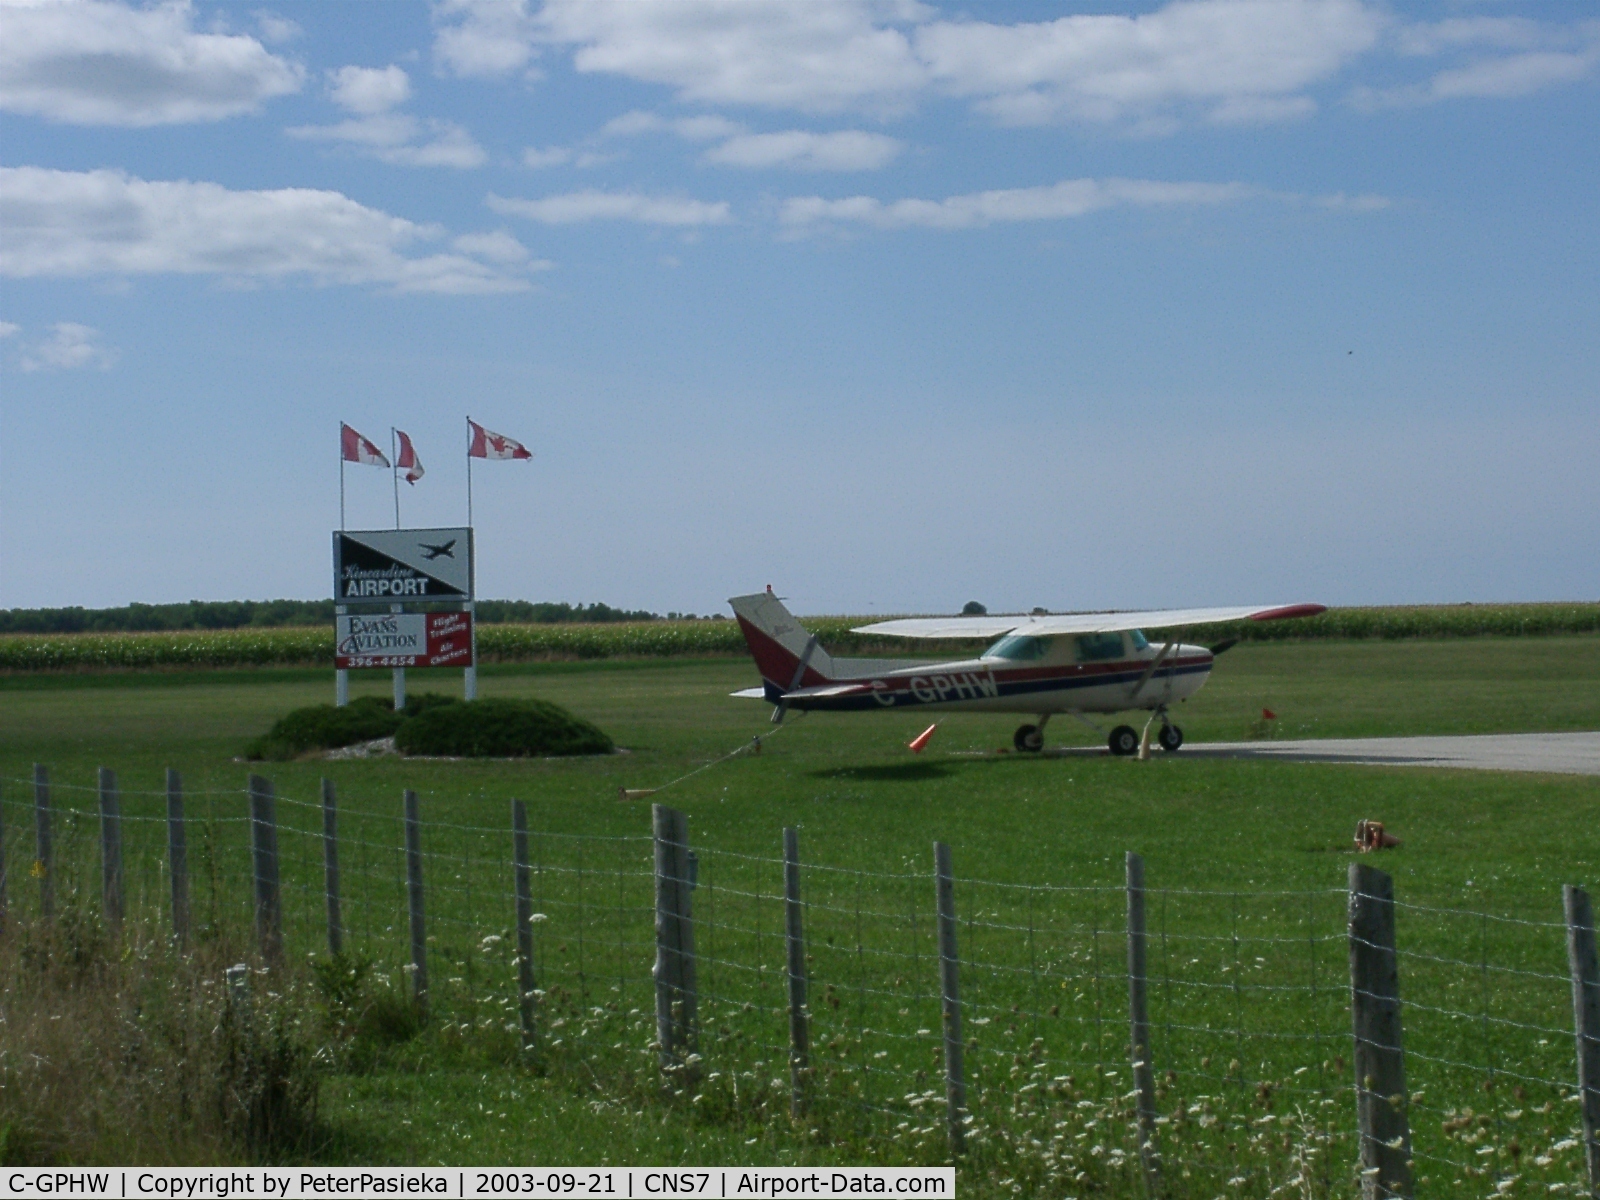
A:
(892, 305)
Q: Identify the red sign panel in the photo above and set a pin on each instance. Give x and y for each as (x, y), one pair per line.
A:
(403, 640)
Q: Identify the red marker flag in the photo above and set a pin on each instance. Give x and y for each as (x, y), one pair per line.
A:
(1268, 715)
(407, 459)
(487, 444)
(358, 450)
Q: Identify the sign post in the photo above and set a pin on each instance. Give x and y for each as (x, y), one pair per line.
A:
(403, 598)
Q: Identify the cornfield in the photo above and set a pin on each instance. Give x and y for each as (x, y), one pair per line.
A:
(667, 639)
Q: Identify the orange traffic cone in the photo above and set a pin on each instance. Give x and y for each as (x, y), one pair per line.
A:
(917, 743)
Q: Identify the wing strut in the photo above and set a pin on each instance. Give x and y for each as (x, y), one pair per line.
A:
(1151, 669)
(799, 678)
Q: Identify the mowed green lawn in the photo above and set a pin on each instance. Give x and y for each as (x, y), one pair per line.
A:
(1497, 843)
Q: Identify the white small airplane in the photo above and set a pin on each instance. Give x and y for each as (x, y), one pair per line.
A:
(1045, 664)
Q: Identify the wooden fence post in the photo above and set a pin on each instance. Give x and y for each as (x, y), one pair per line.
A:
(419, 928)
(2, 865)
(523, 871)
(44, 856)
(330, 867)
(1381, 1097)
(1586, 1019)
(111, 897)
(1144, 1075)
(178, 860)
(799, 1017)
(676, 994)
(955, 1079)
(264, 853)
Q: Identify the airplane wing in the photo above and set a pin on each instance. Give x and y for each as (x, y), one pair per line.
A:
(1104, 622)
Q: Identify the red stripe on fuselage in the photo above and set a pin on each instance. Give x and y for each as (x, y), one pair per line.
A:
(1071, 673)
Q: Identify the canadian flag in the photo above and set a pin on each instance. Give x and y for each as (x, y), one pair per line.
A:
(486, 444)
(407, 459)
(358, 450)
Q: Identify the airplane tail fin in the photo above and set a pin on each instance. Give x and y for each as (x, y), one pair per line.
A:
(786, 654)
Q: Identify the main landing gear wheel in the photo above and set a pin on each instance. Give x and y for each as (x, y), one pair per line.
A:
(1171, 738)
(1028, 739)
(1124, 740)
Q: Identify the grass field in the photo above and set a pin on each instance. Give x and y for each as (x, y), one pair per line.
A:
(1246, 861)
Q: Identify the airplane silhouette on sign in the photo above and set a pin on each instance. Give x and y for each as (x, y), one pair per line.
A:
(432, 552)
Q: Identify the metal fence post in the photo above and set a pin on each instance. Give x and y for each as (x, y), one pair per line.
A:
(111, 896)
(1381, 1096)
(1144, 1076)
(264, 853)
(178, 859)
(524, 888)
(330, 867)
(676, 995)
(419, 928)
(799, 1017)
(1586, 1019)
(955, 1080)
(44, 856)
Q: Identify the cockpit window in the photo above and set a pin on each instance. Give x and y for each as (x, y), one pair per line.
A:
(1140, 642)
(1018, 647)
(1097, 647)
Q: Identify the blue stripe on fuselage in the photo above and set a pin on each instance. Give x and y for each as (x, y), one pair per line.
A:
(907, 697)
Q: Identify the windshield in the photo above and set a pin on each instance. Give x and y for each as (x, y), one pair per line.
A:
(1018, 647)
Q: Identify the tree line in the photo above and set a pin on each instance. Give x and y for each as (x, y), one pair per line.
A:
(266, 614)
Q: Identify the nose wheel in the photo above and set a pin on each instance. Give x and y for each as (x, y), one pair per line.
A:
(1029, 739)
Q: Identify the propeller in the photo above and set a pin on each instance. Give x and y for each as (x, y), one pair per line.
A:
(1224, 646)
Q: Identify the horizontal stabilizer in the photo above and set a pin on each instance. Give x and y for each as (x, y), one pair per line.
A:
(1103, 622)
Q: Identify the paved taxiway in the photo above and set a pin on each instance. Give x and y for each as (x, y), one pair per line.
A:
(1558, 753)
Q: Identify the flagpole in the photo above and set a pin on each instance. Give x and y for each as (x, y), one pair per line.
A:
(469, 472)
(341, 475)
(394, 476)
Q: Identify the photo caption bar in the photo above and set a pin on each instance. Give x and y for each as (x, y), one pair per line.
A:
(355, 1183)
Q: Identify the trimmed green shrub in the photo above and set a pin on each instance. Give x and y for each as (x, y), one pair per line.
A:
(499, 729)
(326, 727)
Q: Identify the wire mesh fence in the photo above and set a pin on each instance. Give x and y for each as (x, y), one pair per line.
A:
(1248, 996)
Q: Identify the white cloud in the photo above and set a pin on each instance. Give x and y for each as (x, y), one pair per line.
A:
(483, 37)
(1514, 75)
(69, 345)
(402, 140)
(391, 137)
(369, 90)
(276, 29)
(1220, 56)
(1502, 33)
(91, 62)
(703, 128)
(800, 54)
(575, 207)
(7, 329)
(1051, 202)
(845, 150)
(1229, 59)
(550, 156)
(1532, 56)
(500, 247)
(66, 224)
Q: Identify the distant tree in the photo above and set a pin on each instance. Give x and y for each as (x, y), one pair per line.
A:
(973, 609)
